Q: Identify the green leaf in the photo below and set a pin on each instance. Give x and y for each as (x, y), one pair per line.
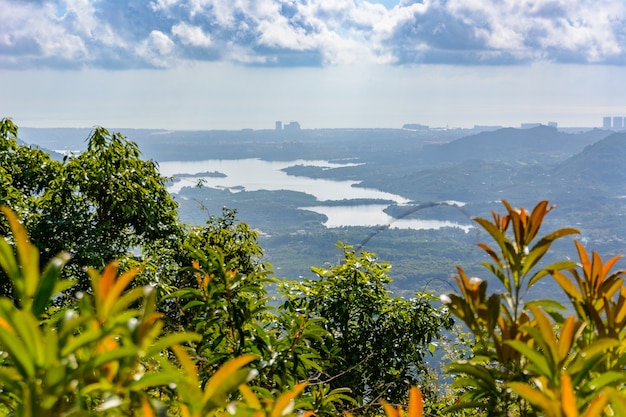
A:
(607, 378)
(226, 379)
(600, 346)
(184, 293)
(466, 382)
(617, 399)
(546, 303)
(154, 379)
(28, 257)
(476, 370)
(538, 360)
(494, 231)
(167, 341)
(127, 298)
(535, 397)
(580, 367)
(188, 366)
(116, 354)
(86, 337)
(556, 266)
(18, 353)
(194, 303)
(8, 261)
(499, 274)
(55, 375)
(310, 361)
(48, 283)
(27, 328)
(10, 378)
(539, 250)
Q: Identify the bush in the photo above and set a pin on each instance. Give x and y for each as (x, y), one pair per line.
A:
(104, 353)
(528, 359)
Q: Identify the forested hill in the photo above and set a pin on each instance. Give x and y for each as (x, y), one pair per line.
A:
(601, 164)
(539, 144)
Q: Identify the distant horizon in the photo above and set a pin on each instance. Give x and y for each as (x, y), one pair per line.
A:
(305, 128)
(222, 65)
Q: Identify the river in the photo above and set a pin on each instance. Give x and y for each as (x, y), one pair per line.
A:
(255, 174)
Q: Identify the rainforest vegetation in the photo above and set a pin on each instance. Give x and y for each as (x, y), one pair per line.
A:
(111, 306)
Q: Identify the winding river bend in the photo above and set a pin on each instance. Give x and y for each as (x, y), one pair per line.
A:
(239, 175)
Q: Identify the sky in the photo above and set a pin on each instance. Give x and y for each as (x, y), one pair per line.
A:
(234, 64)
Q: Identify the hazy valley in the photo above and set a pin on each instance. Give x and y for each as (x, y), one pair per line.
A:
(400, 171)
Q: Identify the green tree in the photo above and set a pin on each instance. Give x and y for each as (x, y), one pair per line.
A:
(377, 343)
(224, 298)
(98, 205)
(223, 245)
(25, 173)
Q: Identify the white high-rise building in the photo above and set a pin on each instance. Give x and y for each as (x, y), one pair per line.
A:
(606, 122)
(618, 122)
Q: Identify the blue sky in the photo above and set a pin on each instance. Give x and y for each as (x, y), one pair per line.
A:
(230, 64)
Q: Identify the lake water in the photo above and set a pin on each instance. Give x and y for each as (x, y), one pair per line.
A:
(374, 215)
(256, 174)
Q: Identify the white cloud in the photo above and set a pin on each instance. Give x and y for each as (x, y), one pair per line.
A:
(278, 33)
(160, 42)
(157, 49)
(311, 32)
(385, 22)
(191, 35)
(548, 28)
(243, 55)
(223, 11)
(80, 19)
(39, 25)
(163, 4)
(58, 44)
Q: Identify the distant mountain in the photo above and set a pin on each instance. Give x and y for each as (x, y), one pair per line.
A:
(54, 155)
(600, 164)
(538, 144)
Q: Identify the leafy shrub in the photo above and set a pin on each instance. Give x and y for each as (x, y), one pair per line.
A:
(528, 359)
(376, 344)
(104, 354)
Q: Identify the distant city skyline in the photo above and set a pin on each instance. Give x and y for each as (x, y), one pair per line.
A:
(613, 122)
(218, 64)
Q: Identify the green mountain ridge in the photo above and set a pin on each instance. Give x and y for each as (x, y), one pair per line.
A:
(541, 144)
(600, 164)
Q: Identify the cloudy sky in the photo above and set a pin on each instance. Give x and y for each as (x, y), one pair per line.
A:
(231, 64)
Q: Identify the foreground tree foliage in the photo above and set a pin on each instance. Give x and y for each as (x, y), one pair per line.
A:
(376, 351)
(528, 359)
(101, 355)
(96, 205)
(375, 343)
(183, 324)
